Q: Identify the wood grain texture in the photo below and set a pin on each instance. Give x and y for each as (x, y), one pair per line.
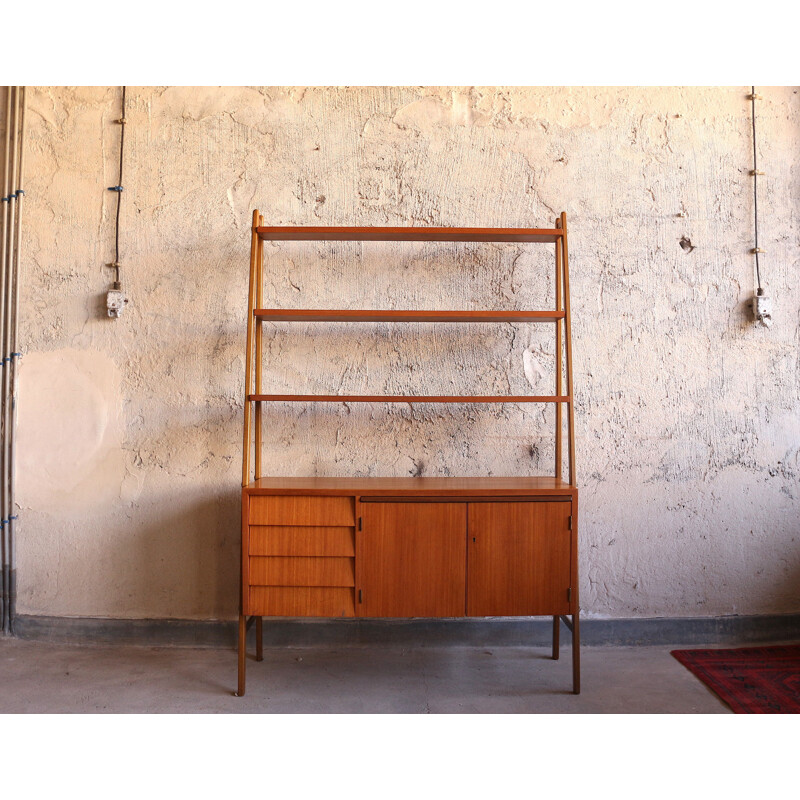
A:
(575, 601)
(295, 510)
(301, 571)
(568, 345)
(538, 485)
(464, 499)
(259, 411)
(407, 234)
(412, 560)
(349, 315)
(405, 398)
(519, 559)
(559, 365)
(301, 601)
(248, 368)
(244, 565)
(298, 540)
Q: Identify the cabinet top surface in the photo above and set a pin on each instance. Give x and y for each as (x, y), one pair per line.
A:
(408, 234)
(430, 487)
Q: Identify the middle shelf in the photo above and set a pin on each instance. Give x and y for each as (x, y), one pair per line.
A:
(358, 315)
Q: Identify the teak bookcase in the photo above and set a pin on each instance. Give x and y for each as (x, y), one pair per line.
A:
(409, 547)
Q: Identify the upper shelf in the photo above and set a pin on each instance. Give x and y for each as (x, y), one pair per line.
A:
(408, 234)
(347, 315)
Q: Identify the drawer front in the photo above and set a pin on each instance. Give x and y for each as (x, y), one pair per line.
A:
(305, 601)
(303, 511)
(299, 571)
(298, 540)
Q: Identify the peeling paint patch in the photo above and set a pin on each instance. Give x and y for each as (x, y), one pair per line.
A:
(70, 456)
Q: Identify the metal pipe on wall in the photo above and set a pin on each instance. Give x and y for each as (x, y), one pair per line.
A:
(10, 246)
(7, 205)
(13, 366)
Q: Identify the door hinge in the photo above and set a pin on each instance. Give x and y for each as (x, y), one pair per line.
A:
(359, 523)
(360, 599)
(569, 595)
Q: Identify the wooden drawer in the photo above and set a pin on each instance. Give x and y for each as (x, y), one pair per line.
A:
(298, 540)
(291, 510)
(302, 601)
(279, 571)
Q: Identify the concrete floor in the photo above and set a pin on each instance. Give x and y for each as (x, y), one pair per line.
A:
(37, 677)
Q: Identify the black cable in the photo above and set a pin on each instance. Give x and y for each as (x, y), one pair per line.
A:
(755, 186)
(119, 184)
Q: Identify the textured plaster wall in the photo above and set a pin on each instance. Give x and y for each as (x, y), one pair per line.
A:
(688, 415)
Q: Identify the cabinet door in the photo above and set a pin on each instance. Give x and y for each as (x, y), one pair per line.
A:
(518, 559)
(411, 560)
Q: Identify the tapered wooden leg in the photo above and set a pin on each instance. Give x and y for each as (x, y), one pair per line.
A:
(259, 639)
(576, 655)
(242, 653)
(556, 631)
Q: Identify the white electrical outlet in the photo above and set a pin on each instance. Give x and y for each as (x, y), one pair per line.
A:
(115, 302)
(762, 308)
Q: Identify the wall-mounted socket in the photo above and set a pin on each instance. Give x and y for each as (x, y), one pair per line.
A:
(116, 301)
(762, 308)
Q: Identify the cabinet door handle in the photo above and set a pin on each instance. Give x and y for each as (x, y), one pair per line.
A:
(359, 596)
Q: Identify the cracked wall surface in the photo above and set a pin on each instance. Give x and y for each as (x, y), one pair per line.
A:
(688, 414)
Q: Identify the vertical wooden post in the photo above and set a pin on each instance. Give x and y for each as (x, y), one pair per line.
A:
(242, 654)
(576, 653)
(568, 341)
(248, 364)
(559, 366)
(575, 601)
(556, 632)
(259, 353)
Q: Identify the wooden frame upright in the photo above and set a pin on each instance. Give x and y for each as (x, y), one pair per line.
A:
(304, 495)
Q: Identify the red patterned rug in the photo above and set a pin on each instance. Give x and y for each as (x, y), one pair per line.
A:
(751, 680)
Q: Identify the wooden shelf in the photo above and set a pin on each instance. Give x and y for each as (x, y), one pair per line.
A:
(339, 315)
(429, 487)
(407, 234)
(403, 398)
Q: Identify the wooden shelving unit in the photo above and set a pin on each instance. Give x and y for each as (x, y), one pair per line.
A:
(409, 547)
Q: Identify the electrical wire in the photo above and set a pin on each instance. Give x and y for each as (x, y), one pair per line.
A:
(118, 190)
(756, 251)
(119, 194)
